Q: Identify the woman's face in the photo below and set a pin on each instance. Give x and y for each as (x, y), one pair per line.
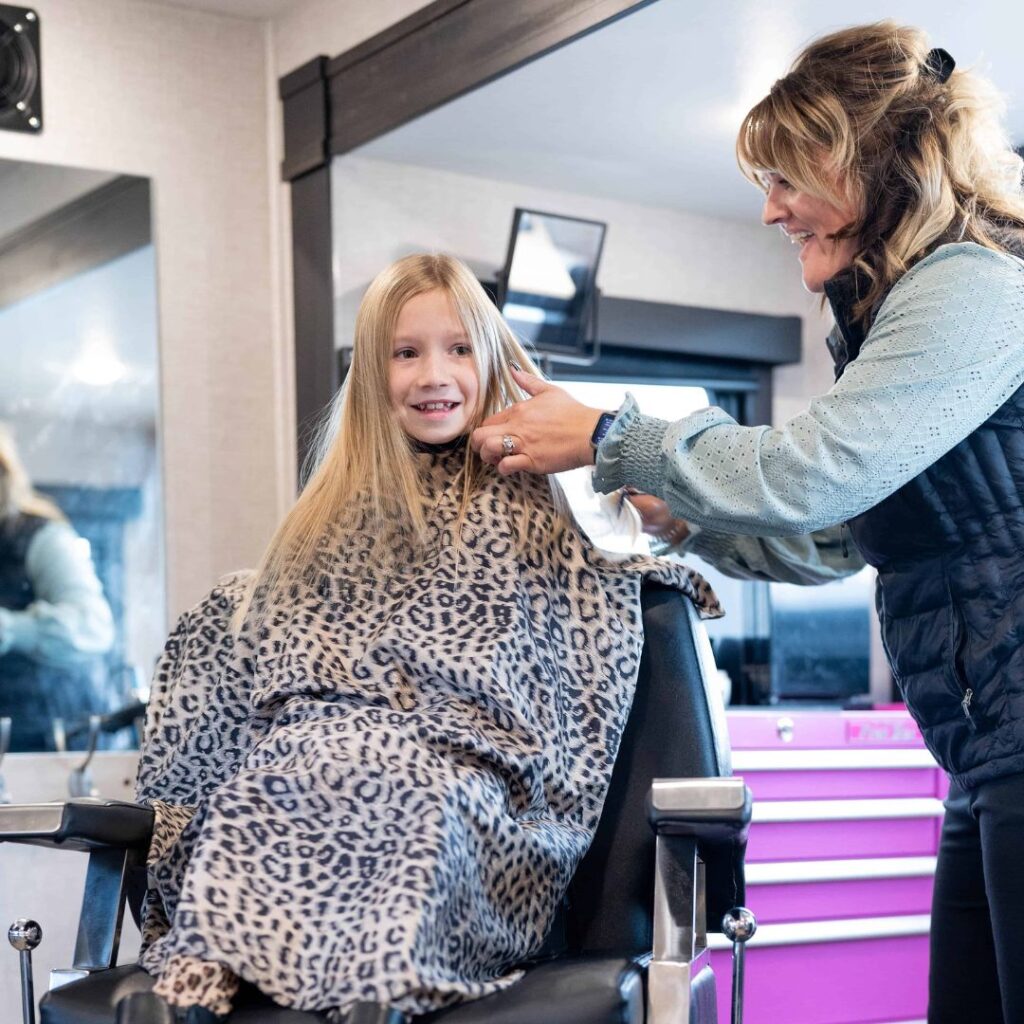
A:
(432, 376)
(807, 222)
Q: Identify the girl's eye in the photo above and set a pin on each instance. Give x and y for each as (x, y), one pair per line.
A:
(463, 350)
(405, 353)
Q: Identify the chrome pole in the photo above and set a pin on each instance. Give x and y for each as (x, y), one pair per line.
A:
(738, 925)
(24, 936)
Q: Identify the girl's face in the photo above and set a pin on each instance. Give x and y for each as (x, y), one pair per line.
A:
(433, 378)
(807, 222)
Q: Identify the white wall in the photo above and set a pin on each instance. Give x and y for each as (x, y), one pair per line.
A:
(184, 98)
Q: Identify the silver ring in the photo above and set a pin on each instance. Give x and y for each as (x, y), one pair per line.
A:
(508, 444)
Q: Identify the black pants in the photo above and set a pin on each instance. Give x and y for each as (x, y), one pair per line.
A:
(977, 939)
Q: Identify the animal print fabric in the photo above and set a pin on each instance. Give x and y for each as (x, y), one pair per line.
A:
(382, 793)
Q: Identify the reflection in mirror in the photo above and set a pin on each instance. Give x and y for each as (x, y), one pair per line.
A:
(81, 553)
(547, 288)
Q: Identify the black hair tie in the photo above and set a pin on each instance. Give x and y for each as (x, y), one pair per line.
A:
(939, 64)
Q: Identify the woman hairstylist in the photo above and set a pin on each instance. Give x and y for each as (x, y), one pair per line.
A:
(890, 173)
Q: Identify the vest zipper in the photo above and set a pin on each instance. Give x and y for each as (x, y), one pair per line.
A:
(966, 705)
(842, 540)
(959, 670)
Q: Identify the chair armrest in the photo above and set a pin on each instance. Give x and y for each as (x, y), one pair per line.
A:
(84, 824)
(714, 815)
(711, 810)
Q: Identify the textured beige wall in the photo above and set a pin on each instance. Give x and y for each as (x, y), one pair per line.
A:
(182, 97)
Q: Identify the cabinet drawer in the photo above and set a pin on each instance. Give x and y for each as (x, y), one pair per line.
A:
(848, 898)
(840, 785)
(761, 730)
(821, 840)
(844, 982)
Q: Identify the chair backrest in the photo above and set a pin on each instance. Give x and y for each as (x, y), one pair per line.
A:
(676, 729)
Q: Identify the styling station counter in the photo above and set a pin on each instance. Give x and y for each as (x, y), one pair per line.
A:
(846, 820)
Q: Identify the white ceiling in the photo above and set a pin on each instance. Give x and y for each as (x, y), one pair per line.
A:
(647, 109)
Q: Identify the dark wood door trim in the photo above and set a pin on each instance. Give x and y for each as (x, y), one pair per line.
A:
(441, 57)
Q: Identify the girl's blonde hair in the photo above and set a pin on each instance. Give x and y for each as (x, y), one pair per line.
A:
(361, 454)
(17, 494)
(863, 116)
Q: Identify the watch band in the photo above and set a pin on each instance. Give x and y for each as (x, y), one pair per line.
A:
(604, 424)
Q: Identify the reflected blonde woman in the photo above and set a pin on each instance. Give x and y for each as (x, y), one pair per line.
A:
(54, 619)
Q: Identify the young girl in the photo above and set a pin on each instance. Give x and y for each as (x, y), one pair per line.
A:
(375, 788)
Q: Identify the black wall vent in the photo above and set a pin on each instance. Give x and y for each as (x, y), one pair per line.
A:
(21, 76)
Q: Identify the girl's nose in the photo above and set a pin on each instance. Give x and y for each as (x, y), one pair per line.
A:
(433, 371)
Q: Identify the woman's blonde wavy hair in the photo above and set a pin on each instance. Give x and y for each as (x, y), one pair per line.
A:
(17, 495)
(861, 117)
(361, 454)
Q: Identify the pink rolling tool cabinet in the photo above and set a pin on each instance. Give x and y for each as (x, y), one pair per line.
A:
(847, 812)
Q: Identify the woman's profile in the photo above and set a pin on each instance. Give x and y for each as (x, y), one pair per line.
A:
(890, 173)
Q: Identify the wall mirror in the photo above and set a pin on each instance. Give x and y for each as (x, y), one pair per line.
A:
(82, 612)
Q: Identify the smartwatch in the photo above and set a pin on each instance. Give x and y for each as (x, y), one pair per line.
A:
(604, 424)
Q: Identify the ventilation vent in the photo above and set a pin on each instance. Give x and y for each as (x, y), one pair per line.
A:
(21, 84)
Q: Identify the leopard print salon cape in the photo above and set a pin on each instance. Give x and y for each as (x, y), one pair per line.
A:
(384, 795)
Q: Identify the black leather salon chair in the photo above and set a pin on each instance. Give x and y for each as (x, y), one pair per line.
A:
(629, 945)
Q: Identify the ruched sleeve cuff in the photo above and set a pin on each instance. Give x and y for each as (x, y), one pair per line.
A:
(631, 453)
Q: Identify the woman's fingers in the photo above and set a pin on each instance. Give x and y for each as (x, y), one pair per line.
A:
(516, 464)
(551, 427)
(494, 446)
(656, 519)
(529, 382)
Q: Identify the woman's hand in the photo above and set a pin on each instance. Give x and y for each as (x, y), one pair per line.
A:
(656, 520)
(549, 432)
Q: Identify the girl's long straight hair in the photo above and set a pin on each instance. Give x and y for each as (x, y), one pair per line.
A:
(361, 456)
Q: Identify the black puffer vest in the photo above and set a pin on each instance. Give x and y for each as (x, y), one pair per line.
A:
(949, 550)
